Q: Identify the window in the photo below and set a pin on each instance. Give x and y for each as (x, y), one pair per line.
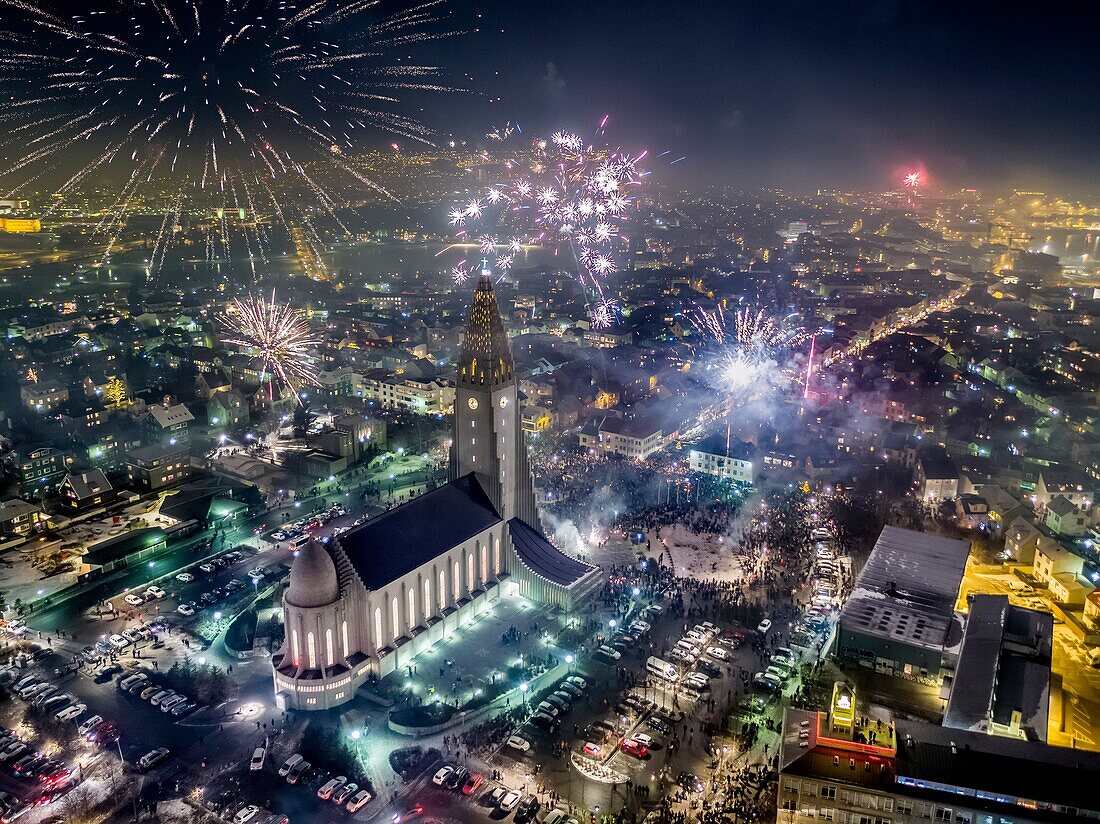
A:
(427, 599)
(470, 582)
(442, 589)
(295, 649)
(962, 818)
(330, 651)
(395, 618)
(825, 813)
(496, 555)
(411, 606)
(457, 581)
(378, 626)
(344, 633)
(828, 791)
(905, 806)
(311, 650)
(789, 804)
(944, 813)
(484, 564)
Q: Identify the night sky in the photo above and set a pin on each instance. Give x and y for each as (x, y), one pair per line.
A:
(800, 93)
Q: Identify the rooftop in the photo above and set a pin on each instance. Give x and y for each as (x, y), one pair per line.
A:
(408, 536)
(908, 588)
(543, 558)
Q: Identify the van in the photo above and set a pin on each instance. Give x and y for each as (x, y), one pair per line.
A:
(290, 764)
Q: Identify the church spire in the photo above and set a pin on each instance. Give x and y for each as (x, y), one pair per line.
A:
(486, 356)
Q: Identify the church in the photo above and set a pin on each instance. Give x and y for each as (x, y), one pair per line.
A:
(377, 596)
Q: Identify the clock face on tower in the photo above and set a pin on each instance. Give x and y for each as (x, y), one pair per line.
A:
(503, 401)
(472, 403)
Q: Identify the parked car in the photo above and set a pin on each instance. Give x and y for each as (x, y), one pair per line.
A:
(133, 599)
(290, 764)
(344, 793)
(296, 772)
(246, 814)
(186, 610)
(632, 746)
(331, 786)
(764, 626)
(473, 783)
(259, 755)
(518, 743)
(442, 775)
(185, 577)
(152, 758)
(592, 750)
(88, 725)
(358, 801)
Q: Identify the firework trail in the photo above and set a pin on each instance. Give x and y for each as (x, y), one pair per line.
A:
(220, 103)
(560, 192)
(278, 336)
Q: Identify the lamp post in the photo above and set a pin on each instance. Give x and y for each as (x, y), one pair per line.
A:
(569, 659)
(523, 687)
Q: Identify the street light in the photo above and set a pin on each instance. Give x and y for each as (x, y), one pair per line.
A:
(523, 691)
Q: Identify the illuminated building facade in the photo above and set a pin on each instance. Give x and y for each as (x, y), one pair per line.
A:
(395, 586)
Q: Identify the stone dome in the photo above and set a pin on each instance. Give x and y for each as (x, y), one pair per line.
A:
(313, 581)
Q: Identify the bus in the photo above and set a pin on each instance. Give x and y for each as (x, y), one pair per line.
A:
(662, 668)
(298, 542)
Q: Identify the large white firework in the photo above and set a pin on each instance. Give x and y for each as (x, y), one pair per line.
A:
(744, 345)
(278, 336)
(560, 192)
(207, 106)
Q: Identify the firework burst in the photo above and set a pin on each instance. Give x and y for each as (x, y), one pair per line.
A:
(744, 346)
(278, 336)
(207, 106)
(559, 192)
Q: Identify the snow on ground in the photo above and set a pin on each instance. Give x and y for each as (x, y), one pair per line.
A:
(703, 556)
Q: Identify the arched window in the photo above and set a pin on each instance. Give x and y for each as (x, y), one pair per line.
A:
(330, 650)
(295, 649)
(427, 596)
(470, 584)
(377, 627)
(311, 650)
(442, 589)
(496, 555)
(395, 618)
(457, 581)
(484, 564)
(410, 607)
(344, 633)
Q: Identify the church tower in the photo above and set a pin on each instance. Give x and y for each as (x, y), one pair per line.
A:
(487, 438)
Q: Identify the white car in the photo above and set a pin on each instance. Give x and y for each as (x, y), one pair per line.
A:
(185, 577)
(611, 653)
(764, 626)
(71, 713)
(152, 758)
(16, 627)
(718, 652)
(644, 738)
(331, 786)
(278, 536)
(257, 574)
(641, 626)
(441, 776)
(510, 800)
(154, 593)
(134, 600)
(518, 743)
(258, 756)
(246, 814)
(86, 727)
(358, 801)
(118, 642)
(185, 609)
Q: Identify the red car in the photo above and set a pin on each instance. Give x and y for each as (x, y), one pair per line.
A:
(632, 746)
(472, 784)
(593, 750)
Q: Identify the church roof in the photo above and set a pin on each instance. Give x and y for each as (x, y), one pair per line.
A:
(413, 534)
(543, 558)
(486, 356)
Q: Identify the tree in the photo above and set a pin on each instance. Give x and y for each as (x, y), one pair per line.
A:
(117, 393)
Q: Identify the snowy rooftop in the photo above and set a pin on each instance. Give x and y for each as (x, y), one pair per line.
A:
(908, 588)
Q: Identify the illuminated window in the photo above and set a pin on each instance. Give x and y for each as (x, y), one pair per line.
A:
(496, 555)
(457, 581)
(311, 650)
(344, 632)
(295, 648)
(470, 583)
(442, 589)
(330, 649)
(484, 564)
(411, 606)
(395, 618)
(427, 600)
(378, 626)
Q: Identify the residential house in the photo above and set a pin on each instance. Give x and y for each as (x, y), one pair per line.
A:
(19, 517)
(168, 424)
(636, 438)
(158, 466)
(84, 490)
(1063, 518)
(228, 410)
(1052, 559)
(43, 397)
(937, 475)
